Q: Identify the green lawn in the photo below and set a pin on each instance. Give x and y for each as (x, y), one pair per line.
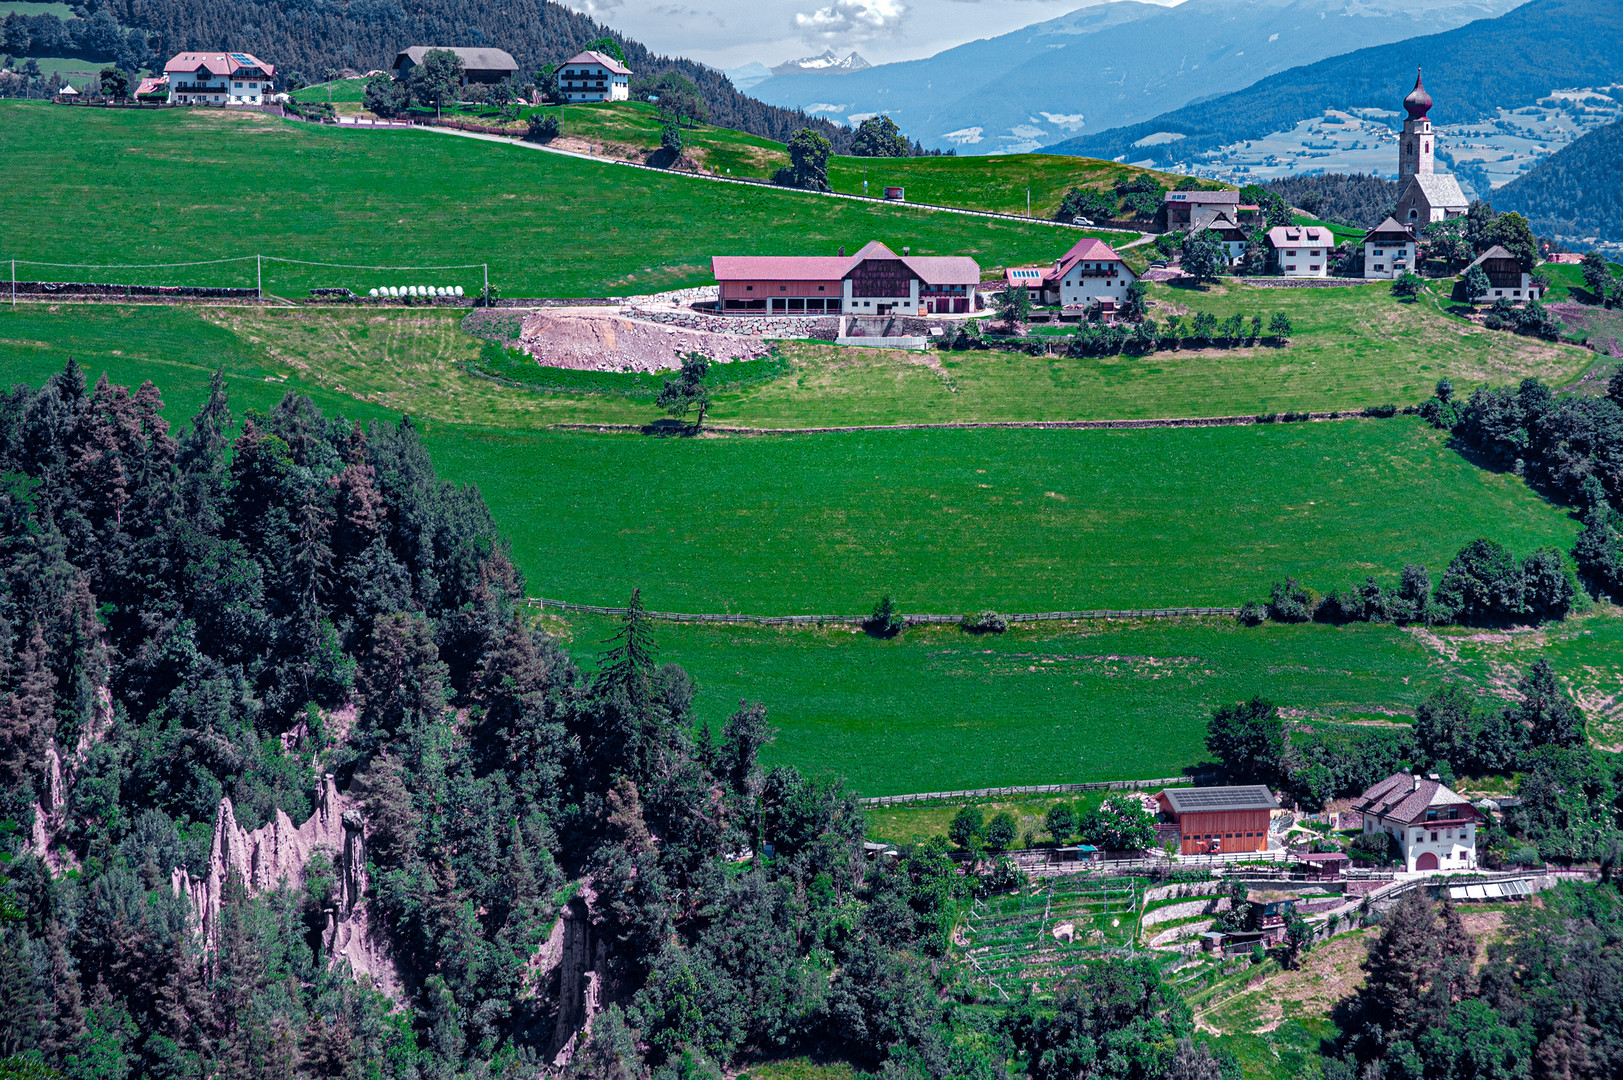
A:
(92, 185)
(352, 91)
(955, 520)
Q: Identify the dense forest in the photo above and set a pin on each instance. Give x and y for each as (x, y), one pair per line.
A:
(314, 36)
(1573, 193)
(1354, 198)
(1471, 72)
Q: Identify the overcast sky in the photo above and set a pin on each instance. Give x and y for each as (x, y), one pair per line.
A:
(731, 33)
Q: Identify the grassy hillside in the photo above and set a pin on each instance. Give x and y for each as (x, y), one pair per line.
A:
(1573, 192)
(350, 91)
(89, 185)
(939, 710)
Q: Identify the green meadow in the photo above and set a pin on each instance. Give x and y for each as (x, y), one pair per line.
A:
(120, 187)
(937, 709)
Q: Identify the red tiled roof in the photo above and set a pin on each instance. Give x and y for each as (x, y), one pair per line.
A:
(930, 269)
(215, 63)
(608, 62)
(151, 85)
(1090, 249)
(1301, 236)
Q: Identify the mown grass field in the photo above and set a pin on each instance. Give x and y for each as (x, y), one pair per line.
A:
(104, 186)
(936, 709)
(958, 520)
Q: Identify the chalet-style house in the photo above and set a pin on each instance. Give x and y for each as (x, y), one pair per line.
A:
(1186, 211)
(1219, 820)
(874, 281)
(1223, 228)
(479, 65)
(1506, 278)
(1435, 828)
(1427, 194)
(213, 78)
(592, 76)
(1389, 250)
(1090, 274)
(1301, 250)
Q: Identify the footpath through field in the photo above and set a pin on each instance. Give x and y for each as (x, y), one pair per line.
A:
(858, 620)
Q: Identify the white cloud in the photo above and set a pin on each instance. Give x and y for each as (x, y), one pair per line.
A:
(1069, 120)
(852, 20)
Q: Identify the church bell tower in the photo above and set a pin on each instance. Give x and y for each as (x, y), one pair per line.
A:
(1417, 148)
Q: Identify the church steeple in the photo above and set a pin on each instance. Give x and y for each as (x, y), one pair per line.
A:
(1417, 146)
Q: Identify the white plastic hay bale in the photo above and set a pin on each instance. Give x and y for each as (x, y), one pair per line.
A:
(373, 294)
(459, 290)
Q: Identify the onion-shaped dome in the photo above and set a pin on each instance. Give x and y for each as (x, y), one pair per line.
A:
(1418, 101)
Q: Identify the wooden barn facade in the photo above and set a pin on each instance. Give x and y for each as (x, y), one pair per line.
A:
(1219, 820)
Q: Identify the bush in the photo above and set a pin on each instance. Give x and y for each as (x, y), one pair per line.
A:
(965, 830)
(1003, 876)
(1001, 832)
(544, 127)
(1060, 822)
(1291, 602)
(886, 619)
(1408, 286)
(1378, 848)
(986, 622)
(1253, 614)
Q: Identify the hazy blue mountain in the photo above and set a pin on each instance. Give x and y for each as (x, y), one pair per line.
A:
(1573, 194)
(1107, 65)
(1471, 72)
(749, 75)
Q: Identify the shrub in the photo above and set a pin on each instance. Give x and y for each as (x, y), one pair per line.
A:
(1003, 876)
(1381, 412)
(1408, 286)
(886, 619)
(544, 127)
(1291, 602)
(1060, 822)
(1279, 327)
(1253, 614)
(986, 622)
(1378, 848)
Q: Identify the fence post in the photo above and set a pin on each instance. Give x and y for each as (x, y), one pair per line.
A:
(486, 296)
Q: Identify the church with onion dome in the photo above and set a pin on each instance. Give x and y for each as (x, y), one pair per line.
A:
(1428, 195)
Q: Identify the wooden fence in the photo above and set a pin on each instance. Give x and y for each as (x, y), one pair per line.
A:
(1034, 789)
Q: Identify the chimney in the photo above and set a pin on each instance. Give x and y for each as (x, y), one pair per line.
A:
(842, 251)
(1414, 782)
(906, 250)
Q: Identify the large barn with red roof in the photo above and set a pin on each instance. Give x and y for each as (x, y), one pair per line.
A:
(874, 281)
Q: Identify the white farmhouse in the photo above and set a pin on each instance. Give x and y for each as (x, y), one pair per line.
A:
(1301, 250)
(1389, 250)
(204, 78)
(1436, 828)
(592, 76)
(1089, 274)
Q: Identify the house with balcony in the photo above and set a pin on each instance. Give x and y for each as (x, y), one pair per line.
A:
(1435, 828)
(1223, 228)
(1190, 211)
(1301, 251)
(1090, 274)
(874, 281)
(593, 76)
(1389, 250)
(213, 78)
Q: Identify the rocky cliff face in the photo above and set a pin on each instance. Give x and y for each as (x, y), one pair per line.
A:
(278, 853)
(50, 817)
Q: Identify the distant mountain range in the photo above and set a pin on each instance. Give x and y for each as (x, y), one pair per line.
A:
(1471, 71)
(1573, 194)
(1107, 65)
(829, 63)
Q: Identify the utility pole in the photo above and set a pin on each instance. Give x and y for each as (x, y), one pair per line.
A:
(259, 277)
(486, 296)
(1028, 202)
(14, 284)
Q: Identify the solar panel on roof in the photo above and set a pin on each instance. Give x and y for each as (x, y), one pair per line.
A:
(1219, 799)
(241, 59)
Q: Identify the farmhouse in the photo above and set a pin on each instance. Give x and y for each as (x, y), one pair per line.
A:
(1226, 231)
(478, 65)
(1214, 820)
(1301, 250)
(198, 78)
(1185, 211)
(1388, 250)
(1090, 273)
(592, 76)
(1428, 195)
(1435, 828)
(1506, 278)
(874, 281)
